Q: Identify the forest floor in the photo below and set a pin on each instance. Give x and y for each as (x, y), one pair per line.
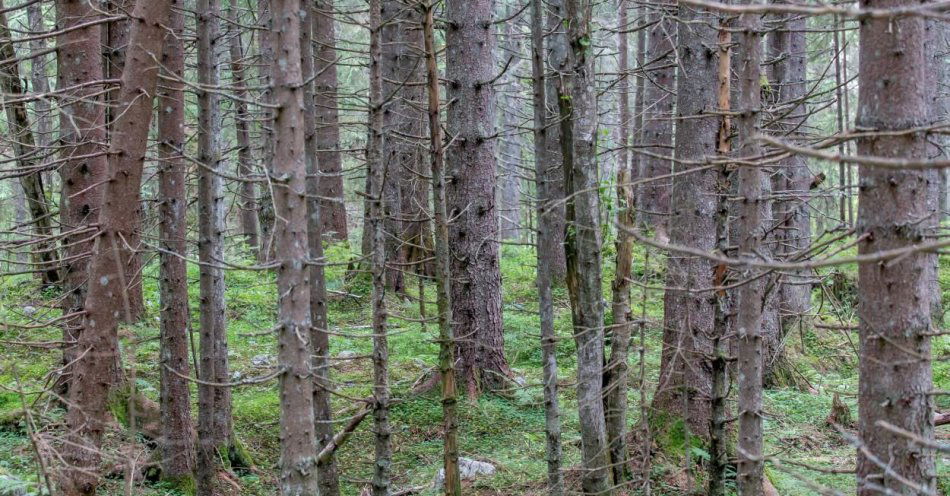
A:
(507, 431)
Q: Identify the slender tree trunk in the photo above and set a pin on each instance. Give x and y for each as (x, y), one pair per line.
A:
(659, 99)
(268, 53)
(319, 336)
(547, 249)
(178, 452)
(107, 298)
(615, 374)
(470, 198)
(329, 159)
(582, 243)
(247, 202)
(554, 172)
(509, 152)
(298, 474)
(452, 485)
(895, 210)
(82, 134)
(39, 79)
(28, 158)
(685, 382)
(377, 170)
(754, 224)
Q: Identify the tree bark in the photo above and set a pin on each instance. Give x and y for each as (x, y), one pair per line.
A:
(685, 383)
(177, 441)
(896, 210)
(214, 403)
(319, 337)
(512, 140)
(107, 297)
(554, 173)
(85, 164)
(452, 483)
(470, 198)
(659, 99)
(582, 241)
(546, 251)
(298, 474)
(329, 158)
(753, 225)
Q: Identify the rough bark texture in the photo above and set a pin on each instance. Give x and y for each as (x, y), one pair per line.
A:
(685, 380)
(377, 169)
(298, 474)
(582, 241)
(329, 159)
(177, 433)
(547, 249)
(895, 210)
(82, 134)
(554, 174)
(107, 299)
(319, 337)
(214, 403)
(753, 224)
(452, 483)
(470, 197)
(659, 98)
(28, 159)
(247, 199)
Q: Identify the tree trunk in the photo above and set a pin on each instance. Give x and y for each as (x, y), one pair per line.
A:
(895, 210)
(268, 52)
(29, 161)
(554, 174)
(659, 98)
(214, 403)
(177, 441)
(247, 196)
(452, 483)
(615, 373)
(319, 337)
(512, 140)
(546, 250)
(470, 198)
(82, 132)
(377, 170)
(754, 224)
(107, 298)
(329, 159)
(39, 79)
(298, 474)
(685, 383)
(582, 242)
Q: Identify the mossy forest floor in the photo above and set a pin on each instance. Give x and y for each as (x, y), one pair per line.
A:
(506, 431)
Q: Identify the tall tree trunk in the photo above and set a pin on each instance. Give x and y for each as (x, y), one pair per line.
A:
(39, 79)
(329, 158)
(247, 203)
(895, 210)
(298, 474)
(452, 483)
(82, 134)
(470, 198)
(378, 170)
(319, 336)
(268, 53)
(28, 158)
(214, 403)
(582, 242)
(554, 172)
(547, 248)
(177, 441)
(615, 373)
(685, 383)
(753, 224)
(659, 99)
(107, 297)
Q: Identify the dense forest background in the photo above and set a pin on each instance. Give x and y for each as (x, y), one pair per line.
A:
(392, 247)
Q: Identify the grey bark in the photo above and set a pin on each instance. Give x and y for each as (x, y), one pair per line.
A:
(247, 199)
